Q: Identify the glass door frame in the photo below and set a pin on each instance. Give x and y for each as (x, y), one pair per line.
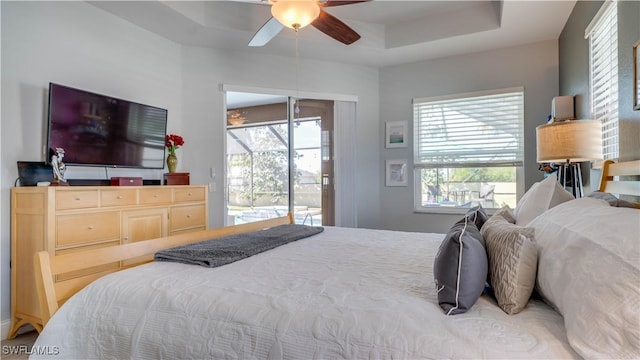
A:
(348, 156)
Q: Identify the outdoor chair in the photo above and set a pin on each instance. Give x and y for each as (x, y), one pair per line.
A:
(485, 196)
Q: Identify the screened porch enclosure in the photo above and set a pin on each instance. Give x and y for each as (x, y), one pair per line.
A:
(258, 171)
(468, 187)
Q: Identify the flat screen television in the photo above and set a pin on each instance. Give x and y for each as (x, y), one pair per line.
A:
(100, 130)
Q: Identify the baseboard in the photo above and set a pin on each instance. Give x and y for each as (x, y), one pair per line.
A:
(6, 326)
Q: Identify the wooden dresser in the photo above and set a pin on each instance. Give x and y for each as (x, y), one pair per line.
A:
(62, 219)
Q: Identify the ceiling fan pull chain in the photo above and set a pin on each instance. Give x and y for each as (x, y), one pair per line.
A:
(297, 107)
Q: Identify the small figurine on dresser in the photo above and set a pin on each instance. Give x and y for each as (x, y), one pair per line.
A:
(58, 167)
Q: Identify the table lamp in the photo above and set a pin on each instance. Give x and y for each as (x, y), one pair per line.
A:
(568, 143)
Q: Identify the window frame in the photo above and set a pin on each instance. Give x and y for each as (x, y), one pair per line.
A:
(517, 164)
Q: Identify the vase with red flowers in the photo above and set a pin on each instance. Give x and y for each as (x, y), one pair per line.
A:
(172, 142)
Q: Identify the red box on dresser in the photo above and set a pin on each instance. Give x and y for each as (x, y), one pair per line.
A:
(126, 181)
(176, 179)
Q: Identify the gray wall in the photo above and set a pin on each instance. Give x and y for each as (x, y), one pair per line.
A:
(574, 73)
(628, 34)
(574, 69)
(534, 66)
(574, 56)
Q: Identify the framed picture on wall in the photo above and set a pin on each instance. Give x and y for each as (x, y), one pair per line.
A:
(636, 76)
(396, 171)
(396, 134)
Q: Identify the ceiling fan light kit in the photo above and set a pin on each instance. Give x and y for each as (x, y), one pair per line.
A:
(295, 14)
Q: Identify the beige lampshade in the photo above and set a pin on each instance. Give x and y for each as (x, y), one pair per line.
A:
(295, 14)
(572, 141)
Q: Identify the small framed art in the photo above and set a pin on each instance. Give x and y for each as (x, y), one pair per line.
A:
(396, 171)
(396, 134)
(636, 76)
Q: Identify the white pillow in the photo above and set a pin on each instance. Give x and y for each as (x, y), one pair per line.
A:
(589, 270)
(539, 198)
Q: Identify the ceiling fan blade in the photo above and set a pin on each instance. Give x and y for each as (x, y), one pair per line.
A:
(335, 28)
(339, 2)
(267, 32)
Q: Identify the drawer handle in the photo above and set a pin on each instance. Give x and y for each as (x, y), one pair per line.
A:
(90, 227)
(189, 215)
(155, 195)
(77, 198)
(119, 197)
(188, 194)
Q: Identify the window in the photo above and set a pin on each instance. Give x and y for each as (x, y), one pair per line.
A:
(468, 149)
(603, 67)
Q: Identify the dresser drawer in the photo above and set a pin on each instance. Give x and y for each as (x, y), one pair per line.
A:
(87, 228)
(185, 217)
(77, 199)
(118, 197)
(189, 194)
(155, 195)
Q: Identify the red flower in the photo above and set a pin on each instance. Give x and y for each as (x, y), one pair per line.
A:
(172, 142)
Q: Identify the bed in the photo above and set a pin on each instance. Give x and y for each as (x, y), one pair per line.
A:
(357, 293)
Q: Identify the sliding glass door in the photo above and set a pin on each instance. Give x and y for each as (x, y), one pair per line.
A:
(313, 191)
(266, 177)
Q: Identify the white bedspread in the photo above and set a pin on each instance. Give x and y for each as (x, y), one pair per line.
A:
(345, 293)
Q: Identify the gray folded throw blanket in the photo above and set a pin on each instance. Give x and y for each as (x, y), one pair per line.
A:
(225, 250)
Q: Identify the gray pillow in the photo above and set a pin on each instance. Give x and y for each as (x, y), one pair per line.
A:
(477, 215)
(612, 200)
(513, 260)
(460, 268)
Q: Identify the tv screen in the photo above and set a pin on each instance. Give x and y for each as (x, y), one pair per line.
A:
(99, 130)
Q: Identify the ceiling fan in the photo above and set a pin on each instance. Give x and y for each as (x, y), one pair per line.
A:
(311, 12)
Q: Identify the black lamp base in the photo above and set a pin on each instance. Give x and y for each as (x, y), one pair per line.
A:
(569, 174)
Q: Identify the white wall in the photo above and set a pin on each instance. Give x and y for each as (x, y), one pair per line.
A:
(79, 45)
(533, 66)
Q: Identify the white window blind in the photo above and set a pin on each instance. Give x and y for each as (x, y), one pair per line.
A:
(603, 59)
(469, 130)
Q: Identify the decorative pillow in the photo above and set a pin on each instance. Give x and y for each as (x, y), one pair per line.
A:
(589, 270)
(506, 214)
(460, 268)
(612, 200)
(541, 196)
(477, 215)
(513, 258)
